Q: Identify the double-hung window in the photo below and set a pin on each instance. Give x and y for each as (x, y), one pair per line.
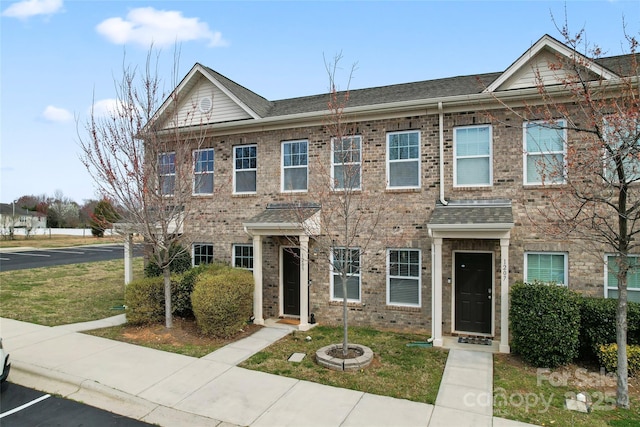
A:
(202, 253)
(345, 261)
(403, 159)
(403, 277)
(346, 158)
(203, 171)
(544, 152)
(167, 173)
(243, 256)
(245, 167)
(546, 267)
(633, 278)
(623, 144)
(294, 165)
(472, 153)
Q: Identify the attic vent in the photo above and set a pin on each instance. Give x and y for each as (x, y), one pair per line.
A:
(205, 104)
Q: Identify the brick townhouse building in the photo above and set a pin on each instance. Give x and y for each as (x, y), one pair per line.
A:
(456, 163)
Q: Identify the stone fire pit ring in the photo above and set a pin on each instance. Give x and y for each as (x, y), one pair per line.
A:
(324, 358)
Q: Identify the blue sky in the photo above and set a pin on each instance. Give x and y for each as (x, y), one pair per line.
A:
(57, 57)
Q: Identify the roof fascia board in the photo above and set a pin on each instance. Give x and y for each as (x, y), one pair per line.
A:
(547, 41)
(227, 92)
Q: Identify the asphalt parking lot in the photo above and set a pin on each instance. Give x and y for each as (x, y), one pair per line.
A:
(22, 407)
(35, 258)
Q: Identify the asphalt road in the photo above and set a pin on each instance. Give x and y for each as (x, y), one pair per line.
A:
(34, 258)
(25, 407)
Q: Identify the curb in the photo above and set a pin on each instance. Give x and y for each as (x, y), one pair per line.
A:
(92, 393)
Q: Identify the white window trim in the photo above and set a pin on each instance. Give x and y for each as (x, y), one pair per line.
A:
(456, 157)
(193, 252)
(389, 277)
(358, 275)
(419, 160)
(346, 164)
(566, 264)
(197, 174)
(283, 167)
(606, 275)
(525, 154)
(233, 254)
(162, 193)
(235, 171)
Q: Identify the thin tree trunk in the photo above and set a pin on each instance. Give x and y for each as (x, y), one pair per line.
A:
(166, 273)
(345, 337)
(622, 392)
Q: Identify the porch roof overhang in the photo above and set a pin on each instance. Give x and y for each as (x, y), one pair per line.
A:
(472, 219)
(285, 219)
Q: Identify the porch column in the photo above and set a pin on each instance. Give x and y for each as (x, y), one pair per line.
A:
(436, 304)
(504, 296)
(257, 279)
(304, 282)
(128, 258)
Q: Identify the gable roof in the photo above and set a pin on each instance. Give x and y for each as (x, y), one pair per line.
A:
(258, 107)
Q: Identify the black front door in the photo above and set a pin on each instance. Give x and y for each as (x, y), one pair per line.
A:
(291, 280)
(473, 292)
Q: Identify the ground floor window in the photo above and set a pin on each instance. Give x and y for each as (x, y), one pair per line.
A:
(202, 253)
(347, 261)
(633, 278)
(546, 267)
(403, 277)
(243, 256)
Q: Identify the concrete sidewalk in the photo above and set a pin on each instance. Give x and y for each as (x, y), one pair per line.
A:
(175, 390)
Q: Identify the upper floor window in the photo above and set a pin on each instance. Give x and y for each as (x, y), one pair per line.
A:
(403, 159)
(346, 261)
(346, 161)
(403, 277)
(202, 253)
(544, 152)
(243, 256)
(546, 267)
(245, 167)
(633, 278)
(472, 153)
(622, 140)
(167, 173)
(294, 165)
(203, 171)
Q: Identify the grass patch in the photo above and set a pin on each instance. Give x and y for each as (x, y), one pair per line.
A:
(184, 338)
(521, 394)
(58, 241)
(398, 371)
(64, 294)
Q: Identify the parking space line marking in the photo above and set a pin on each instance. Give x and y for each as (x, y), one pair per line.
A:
(63, 252)
(25, 406)
(5, 259)
(28, 254)
(100, 250)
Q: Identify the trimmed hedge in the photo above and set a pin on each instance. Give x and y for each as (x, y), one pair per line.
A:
(144, 299)
(598, 324)
(182, 289)
(545, 322)
(608, 357)
(222, 300)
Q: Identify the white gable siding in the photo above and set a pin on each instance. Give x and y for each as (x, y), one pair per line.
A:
(525, 77)
(224, 109)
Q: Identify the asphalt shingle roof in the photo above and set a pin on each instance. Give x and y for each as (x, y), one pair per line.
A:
(472, 212)
(284, 213)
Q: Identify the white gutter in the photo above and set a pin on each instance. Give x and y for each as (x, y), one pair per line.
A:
(441, 132)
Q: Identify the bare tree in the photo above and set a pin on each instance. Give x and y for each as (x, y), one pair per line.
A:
(597, 202)
(142, 158)
(350, 212)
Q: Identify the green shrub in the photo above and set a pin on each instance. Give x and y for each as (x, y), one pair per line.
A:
(544, 324)
(608, 356)
(222, 300)
(181, 262)
(182, 288)
(144, 299)
(598, 324)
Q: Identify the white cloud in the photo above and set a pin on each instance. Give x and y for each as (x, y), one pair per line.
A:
(147, 25)
(28, 8)
(55, 114)
(105, 108)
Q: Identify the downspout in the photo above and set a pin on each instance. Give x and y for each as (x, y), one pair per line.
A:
(441, 132)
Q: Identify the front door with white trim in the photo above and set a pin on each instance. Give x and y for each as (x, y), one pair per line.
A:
(473, 292)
